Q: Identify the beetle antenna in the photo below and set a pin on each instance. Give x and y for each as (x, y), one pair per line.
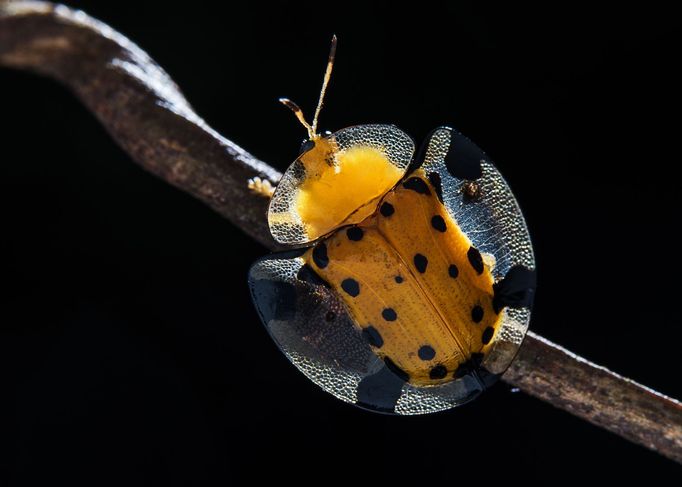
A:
(325, 82)
(299, 114)
(312, 129)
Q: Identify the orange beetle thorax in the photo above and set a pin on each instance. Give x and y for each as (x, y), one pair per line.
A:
(342, 186)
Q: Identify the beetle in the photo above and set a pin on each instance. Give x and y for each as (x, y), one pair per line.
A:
(410, 279)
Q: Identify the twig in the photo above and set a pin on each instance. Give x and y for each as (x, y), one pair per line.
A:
(138, 104)
(604, 398)
(147, 115)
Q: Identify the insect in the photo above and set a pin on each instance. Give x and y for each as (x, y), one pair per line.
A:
(410, 280)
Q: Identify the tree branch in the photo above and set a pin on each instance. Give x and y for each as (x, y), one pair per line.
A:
(143, 110)
(138, 104)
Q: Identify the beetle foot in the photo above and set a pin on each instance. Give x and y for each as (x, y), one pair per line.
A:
(261, 187)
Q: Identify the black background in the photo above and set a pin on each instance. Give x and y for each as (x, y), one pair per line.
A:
(129, 350)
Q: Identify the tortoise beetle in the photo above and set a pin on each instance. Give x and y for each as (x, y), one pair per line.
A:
(410, 280)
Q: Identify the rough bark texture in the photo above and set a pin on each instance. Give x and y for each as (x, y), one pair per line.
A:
(146, 114)
(604, 398)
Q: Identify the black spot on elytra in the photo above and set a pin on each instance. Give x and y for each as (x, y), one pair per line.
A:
(426, 352)
(386, 209)
(330, 316)
(355, 234)
(420, 262)
(396, 370)
(487, 335)
(434, 179)
(351, 287)
(516, 290)
(307, 274)
(453, 271)
(418, 185)
(438, 372)
(373, 336)
(438, 223)
(381, 390)
(475, 259)
(389, 314)
(320, 255)
(463, 159)
(477, 314)
(399, 279)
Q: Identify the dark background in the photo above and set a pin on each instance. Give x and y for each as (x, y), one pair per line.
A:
(129, 350)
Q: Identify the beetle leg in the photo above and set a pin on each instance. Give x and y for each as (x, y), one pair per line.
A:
(261, 187)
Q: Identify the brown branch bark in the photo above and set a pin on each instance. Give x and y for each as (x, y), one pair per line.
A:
(146, 114)
(138, 104)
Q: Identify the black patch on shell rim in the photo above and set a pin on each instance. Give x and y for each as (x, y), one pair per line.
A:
(516, 290)
(380, 391)
(418, 160)
(404, 376)
(276, 300)
(306, 145)
(463, 160)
